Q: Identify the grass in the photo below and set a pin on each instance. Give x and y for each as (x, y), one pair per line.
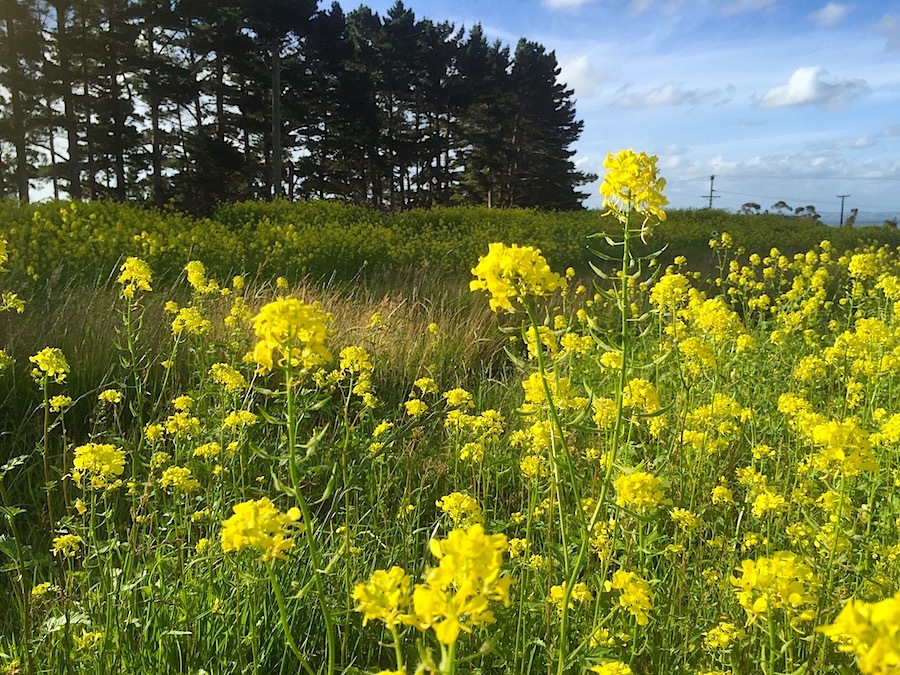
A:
(654, 451)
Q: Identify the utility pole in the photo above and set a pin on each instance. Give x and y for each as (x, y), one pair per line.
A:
(843, 197)
(711, 179)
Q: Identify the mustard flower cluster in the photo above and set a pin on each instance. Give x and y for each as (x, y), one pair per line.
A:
(179, 479)
(66, 545)
(100, 463)
(456, 594)
(258, 524)
(565, 396)
(110, 396)
(291, 334)
(783, 581)
(188, 320)
(134, 275)
(462, 509)
(196, 276)
(612, 668)
(385, 597)
(356, 363)
(635, 595)
(580, 593)
(871, 632)
(50, 362)
(639, 490)
(844, 449)
(237, 420)
(231, 380)
(510, 273)
(631, 183)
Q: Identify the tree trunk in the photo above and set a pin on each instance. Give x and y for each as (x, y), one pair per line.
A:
(276, 122)
(156, 151)
(18, 112)
(71, 122)
(220, 98)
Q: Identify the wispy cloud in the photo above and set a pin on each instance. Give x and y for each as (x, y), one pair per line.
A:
(831, 14)
(671, 94)
(889, 27)
(809, 86)
(729, 7)
(566, 4)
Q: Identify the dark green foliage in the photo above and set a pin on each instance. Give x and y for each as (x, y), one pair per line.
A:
(124, 99)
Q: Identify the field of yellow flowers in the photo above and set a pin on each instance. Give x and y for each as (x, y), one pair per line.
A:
(656, 470)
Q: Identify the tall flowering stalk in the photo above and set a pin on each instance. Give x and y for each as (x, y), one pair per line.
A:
(521, 274)
(49, 363)
(135, 277)
(291, 335)
(631, 186)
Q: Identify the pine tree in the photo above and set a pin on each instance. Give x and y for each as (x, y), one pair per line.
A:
(542, 173)
(20, 56)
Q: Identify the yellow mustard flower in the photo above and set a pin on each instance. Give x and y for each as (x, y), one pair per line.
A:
(783, 581)
(580, 593)
(134, 275)
(258, 524)
(50, 362)
(66, 545)
(612, 668)
(110, 396)
(230, 379)
(415, 407)
(510, 273)
(456, 593)
(102, 463)
(458, 398)
(60, 403)
(635, 595)
(632, 183)
(462, 509)
(190, 319)
(871, 632)
(239, 419)
(179, 479)
(639, 490)
(385, 597)
(291, 334)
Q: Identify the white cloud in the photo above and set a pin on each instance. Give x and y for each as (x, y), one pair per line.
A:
(670, 94)
(831, 14)
(730, 7)
(889, 26)
(809, 86)
(583, 75)
(566, 4)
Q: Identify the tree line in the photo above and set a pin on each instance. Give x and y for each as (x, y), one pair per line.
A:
(194, 102)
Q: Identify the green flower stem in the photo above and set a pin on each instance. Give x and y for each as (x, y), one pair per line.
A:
(23, 581)
(346, 480)
(610, 461)
(398, 651)
(829, 574)
(309, 527)
(47, 482)
(132, 353)
(772, 651)
(523, 583)
(282, 610)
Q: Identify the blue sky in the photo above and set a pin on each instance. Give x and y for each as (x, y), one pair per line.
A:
(780, 100)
